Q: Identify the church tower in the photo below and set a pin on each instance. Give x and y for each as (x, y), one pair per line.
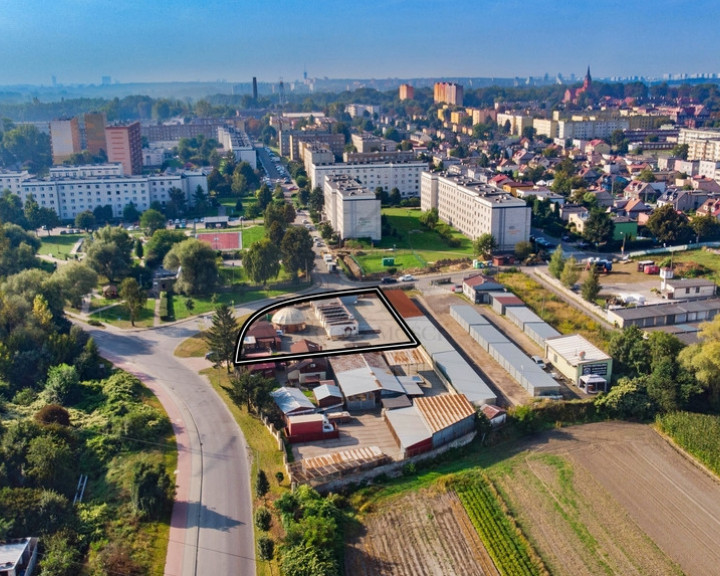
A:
(588, 79)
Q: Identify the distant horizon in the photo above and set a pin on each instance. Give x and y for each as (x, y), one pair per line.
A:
(134, 41)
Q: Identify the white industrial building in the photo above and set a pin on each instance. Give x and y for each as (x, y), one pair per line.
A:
(239, 144)
(475, 208)
(353, 210)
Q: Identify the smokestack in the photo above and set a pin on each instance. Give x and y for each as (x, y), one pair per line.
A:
(254, 88)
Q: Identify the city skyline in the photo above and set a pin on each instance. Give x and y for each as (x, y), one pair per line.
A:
(80, 41)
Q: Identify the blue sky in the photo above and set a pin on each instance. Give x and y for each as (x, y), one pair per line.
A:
(79, 41)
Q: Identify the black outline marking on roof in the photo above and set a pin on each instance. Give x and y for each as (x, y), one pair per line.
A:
(412, 342)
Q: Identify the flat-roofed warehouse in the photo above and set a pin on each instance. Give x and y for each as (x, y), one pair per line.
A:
(574, 356)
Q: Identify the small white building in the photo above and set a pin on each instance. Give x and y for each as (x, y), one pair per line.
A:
(574, 356)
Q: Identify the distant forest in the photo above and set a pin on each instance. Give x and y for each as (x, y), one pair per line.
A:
(146, 108)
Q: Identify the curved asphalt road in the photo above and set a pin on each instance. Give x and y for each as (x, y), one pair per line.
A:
(211, 528)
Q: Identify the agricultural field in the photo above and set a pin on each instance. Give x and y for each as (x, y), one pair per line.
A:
(602, 498)
(412, 246)
(421, 533)
(697, 434)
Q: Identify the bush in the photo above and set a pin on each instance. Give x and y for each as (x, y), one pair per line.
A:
(266, 546)
(279, 476)
(94, 322)
(24, 397)
(53, 414)
(262, 486)
(263, 519)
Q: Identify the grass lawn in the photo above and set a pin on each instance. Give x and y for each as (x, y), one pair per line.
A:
(252, 234)
(706, 258)
(193, 347)
(413, 246)
(57, 245)
(119, 315)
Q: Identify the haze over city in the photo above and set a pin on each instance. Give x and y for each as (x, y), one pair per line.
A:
(78, 41)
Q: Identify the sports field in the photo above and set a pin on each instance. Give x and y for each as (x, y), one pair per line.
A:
(222, 240)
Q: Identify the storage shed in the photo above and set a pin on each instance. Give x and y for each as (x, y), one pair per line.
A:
(521, 315)
(292, 401)
(449, 416)
(327, 395)
(409, 430)
(574, 356)
(539, 332)
(477, 287)
(467, 316)
(310, 428)
(486, 335)
(502, 300)
(463, 378)
(430, 337)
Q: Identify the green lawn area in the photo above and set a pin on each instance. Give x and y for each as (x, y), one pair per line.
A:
(413, 246)
(57, 245)
(705, 257)
(252, 234)
(119, 315)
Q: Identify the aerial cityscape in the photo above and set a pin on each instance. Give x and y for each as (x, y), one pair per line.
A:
(400, 288)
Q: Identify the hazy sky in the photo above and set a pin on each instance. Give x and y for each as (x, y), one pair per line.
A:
(79, 41)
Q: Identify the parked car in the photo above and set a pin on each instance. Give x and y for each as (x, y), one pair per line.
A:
(539, 361)
(389, 280)
(407, 278)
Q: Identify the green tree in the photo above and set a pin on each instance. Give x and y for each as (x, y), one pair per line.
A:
(395, 197)
(178, 199)
(630, 352)
(297, 251)
(668, 226)
(160, 244)
(681, 151)
(290, 213)
(316, 201)
(484, 245)
(196, 264)
(139, 249)
(262, 261)
(264, 197)
(591, 286)
(570, 273)
(134, 297)
(61, 555)
(11, 209)
(702, 359)
(251, 390)
(61, 384)
(266, 548)
(262, 485)
(131, 213)
(646, 175)
(103, 215)
(85, 220)
(557, 263)
(598, 227)
(222, 335)
(50, 463)
(151, 221)
(523, 250)
(151, 490)
(75, 280)
(110, 252)
(705, 226)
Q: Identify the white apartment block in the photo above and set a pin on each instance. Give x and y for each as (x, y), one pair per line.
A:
(703, 144)
(405, 176)
(709, 169)
(475, 209)
(239, 143)
(70, 196)
(517, 122)
(589, 128)
(86, 170)
(317, 154)
(12, 181)
(352, 210)
(545, 127)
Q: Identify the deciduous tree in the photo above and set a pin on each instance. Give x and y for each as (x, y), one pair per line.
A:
(134, 297)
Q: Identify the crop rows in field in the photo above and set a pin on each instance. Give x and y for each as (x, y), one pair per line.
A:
(696, 433)
(509, 550)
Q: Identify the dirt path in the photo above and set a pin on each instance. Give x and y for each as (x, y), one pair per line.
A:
(424, 533)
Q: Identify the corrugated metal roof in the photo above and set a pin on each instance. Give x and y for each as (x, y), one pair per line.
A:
(327, 391)
(402, 304)
(444, 410)
(291, 399)
(468, 314)
(430, 337)
(404, 357)
(464, 379)
(571, 347)
(409, 425)
(523, 314)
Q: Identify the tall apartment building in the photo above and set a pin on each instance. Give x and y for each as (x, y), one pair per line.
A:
(475, 209)
(352, 210)
(64, 139)
(289, 141)
(518, 122)
(125, 146)
(405, 176)
(95, 133)
(406, 92)
(370, 143)
(239, 143)
(703, 144)
(449, 93)
(69, 195)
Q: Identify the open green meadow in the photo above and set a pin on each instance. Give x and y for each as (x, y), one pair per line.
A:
(58, 245)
